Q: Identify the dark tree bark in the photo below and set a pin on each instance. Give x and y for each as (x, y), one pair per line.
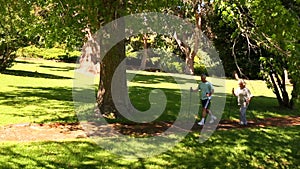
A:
(110, 63)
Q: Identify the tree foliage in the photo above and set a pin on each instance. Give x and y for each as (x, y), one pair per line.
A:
(269, 30)
(249, 34)
(73, 19)
(15, 29)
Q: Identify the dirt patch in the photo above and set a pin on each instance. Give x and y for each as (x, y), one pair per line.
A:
(41, 132)
(60, 131)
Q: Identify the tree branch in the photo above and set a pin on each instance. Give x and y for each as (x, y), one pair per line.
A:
(235, 59)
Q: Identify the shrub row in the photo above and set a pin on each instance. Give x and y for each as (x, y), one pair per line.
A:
(48, 53)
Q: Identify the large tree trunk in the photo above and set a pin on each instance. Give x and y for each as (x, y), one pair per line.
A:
(110, 63)
(114, 59)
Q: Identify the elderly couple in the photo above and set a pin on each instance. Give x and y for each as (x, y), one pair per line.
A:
(243, 95)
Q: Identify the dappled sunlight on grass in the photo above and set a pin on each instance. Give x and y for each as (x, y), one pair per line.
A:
(272, 147)
(260, 107)
(41, 91)
(248, 148)
(44, 95)
(39, 104)
(140, 99)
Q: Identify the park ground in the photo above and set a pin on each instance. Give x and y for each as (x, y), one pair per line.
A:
(27, 132)
(40, 129)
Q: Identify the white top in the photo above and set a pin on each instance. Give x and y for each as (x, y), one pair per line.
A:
(242, 95)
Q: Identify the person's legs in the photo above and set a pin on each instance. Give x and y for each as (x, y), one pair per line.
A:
(208, 111)
(212, 117)
(241, 121)
(243, 118)
(203, 116)
(244, 115)
(205, 104)
(205, 111)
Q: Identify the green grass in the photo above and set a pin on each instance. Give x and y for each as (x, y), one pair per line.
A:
(37, 91)
(263, 105)
(248, 148)
(41, 91)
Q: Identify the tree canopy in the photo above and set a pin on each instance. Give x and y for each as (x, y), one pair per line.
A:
(260, 38)
(269, 32)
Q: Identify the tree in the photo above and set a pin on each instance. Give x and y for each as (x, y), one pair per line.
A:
(235, 53)
(15, 30)
(114, 59)
(270, 30)
(68, 21)
(192, 10)
(46, 23)
(266, 29)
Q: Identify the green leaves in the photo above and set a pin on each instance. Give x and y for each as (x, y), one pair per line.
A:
(14, 29)
(269, 28)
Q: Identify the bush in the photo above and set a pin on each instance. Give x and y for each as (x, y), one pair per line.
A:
(199, 69)
(48, 53)
(199, 65)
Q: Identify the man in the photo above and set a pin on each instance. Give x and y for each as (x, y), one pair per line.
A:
(206, 89)
(244, 97)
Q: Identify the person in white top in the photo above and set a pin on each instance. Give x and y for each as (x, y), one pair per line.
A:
(244, 96)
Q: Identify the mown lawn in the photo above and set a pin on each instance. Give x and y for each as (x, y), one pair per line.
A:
(41, 91)
(272, 147)
(37, 91)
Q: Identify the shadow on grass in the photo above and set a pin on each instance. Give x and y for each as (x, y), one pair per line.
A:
(54, 155)
(52, 104)
(260, 107)
(139, 98)
(32, 74)
(68, 154)
(258, 148)
(23, 61)
(169, 78)
(153, 79)
(56, 68)
(43, 93)
(249, 148)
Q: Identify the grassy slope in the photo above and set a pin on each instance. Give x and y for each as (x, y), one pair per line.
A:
(41, 91)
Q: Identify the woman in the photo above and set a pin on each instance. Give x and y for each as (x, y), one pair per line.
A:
(244, 97)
